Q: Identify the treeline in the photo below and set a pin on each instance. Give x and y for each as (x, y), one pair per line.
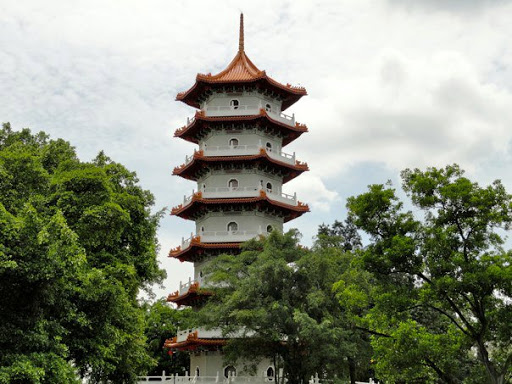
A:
(428, 299)
(77, 244)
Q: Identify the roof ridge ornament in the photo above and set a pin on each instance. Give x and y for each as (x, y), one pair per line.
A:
(241, 36)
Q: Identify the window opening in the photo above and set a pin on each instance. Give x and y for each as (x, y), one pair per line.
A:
(269, 228)
(232, 227)
(268, 108)
(234, 104)
(269, 187)
(268, 146)
(229, 371)
(233, 183)
(270, 373)
(233, 142)
(197, 371)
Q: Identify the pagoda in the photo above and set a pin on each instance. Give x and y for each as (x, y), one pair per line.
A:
(240, 168)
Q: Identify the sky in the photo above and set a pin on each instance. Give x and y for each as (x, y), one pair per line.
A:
(392, 84)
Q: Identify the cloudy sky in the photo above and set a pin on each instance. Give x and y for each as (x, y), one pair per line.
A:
(392, 84)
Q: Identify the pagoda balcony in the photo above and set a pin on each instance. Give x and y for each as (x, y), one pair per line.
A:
(219, 237)
(214, 333)
(244, 150)
(185, 287)
(245, 110)
(241, 192)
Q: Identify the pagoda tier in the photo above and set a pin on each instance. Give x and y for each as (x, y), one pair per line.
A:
(284, 206)
(203, 123)
(189, 294)
(240, 75)
(194, 249)
(192, 341)
(281, 164)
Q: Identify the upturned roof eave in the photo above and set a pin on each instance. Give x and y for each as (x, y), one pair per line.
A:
(294, 211)
(200, 117)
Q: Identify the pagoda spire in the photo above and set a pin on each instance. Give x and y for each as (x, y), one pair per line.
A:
(241, 36)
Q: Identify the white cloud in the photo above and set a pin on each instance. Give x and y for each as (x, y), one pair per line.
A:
(389, 83)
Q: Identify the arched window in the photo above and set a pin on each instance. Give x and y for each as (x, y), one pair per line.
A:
(270, 373)
(232, 227)
(269, 146)
(229, 371)
(234, 104)
(197, 371)
(202, 229)
(268, 108)
(269, 228)
(269, 187)
(233, 183)
(233, 142)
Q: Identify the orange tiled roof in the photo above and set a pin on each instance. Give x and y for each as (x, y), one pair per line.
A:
(193, 293)
(196, 247)
(291, 132)
(197, 198)
(192, 342)
(240, 70)
(184, 170)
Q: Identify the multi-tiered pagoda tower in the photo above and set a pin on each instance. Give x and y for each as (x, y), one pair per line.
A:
(240, 169)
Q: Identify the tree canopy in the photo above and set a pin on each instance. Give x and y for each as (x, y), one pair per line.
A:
(77, 244)
(275, 300)
(441, 304)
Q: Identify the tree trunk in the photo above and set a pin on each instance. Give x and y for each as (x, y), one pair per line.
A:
(352, 370)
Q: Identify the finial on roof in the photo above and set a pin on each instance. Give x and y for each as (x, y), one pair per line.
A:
(241, 37)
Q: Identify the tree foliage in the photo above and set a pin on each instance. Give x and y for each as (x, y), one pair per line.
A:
(77, 243)
(275, 300)
(441, 305)
(162, 323)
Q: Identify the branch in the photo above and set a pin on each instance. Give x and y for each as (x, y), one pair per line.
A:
(451, 318)
(372, 332)
(445, 377)
(464, 320)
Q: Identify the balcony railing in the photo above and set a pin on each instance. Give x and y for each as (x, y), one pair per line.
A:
(202, 333)
(228, 236)
(244, 110)
(240, 192)
(218, 237)
(244, 150)
(184, 287)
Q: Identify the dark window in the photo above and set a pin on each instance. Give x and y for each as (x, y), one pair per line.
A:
(229, 371)
(234, 104)
(270, 373)
(233, 142)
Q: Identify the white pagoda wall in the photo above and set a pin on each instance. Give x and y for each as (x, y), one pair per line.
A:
(211, 362)
(243, 137)
(246, 178)
(218, 221)
(252, 99)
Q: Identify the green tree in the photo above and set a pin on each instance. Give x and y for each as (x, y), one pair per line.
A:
(162, 323)
(77, 244)
(275, 300)
(442, 302)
